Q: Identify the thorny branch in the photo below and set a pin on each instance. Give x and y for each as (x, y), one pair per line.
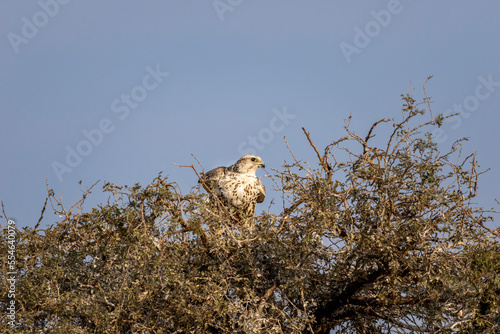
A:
(395, 244)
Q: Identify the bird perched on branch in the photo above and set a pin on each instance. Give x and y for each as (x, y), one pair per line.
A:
(237, 186)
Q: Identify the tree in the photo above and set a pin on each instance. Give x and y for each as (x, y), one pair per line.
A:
(386, 240)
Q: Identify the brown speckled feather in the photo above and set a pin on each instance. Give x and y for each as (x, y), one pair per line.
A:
(237, 186)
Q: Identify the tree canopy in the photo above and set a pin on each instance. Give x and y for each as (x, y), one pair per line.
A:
(369, 239)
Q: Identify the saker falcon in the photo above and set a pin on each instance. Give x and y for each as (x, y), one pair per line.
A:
(237, 186)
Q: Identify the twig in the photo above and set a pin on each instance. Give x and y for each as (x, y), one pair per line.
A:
(491, 231)
(294, 206)
(266, 297)
(202, 169)
(322, 160)
(426, 98)
(203, 236)
(204, 185)
(7, 218)
(290, 150)
(272, 178)
(41, 215)
(4, 214)
(369, 135)
(313, 146)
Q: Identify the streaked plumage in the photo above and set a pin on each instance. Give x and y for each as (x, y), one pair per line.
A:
(237, 186)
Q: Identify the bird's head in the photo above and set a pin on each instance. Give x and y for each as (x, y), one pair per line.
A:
(248, 164)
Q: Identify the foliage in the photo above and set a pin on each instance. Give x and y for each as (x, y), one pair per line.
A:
(387, 240)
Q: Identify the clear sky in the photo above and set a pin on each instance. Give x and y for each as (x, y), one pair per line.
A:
(119, 90)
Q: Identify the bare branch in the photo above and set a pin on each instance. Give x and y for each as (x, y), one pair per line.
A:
(369, 135)
(322, 160)
(41, 215)
(427, 99)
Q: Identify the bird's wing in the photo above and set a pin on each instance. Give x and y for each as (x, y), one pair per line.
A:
(262, 192)
(211, 178)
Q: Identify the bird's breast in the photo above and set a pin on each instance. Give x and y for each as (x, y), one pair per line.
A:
(239, 189)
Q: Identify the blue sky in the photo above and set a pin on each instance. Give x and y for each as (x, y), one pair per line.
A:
(133, 87)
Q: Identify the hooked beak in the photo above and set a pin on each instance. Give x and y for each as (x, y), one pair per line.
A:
(262, 165)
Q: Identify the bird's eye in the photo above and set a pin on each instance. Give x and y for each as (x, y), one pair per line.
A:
(253, 159)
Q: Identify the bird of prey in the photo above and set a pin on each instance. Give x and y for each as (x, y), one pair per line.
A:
(237, 186)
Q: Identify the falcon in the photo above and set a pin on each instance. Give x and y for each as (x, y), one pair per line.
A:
(237, 186)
